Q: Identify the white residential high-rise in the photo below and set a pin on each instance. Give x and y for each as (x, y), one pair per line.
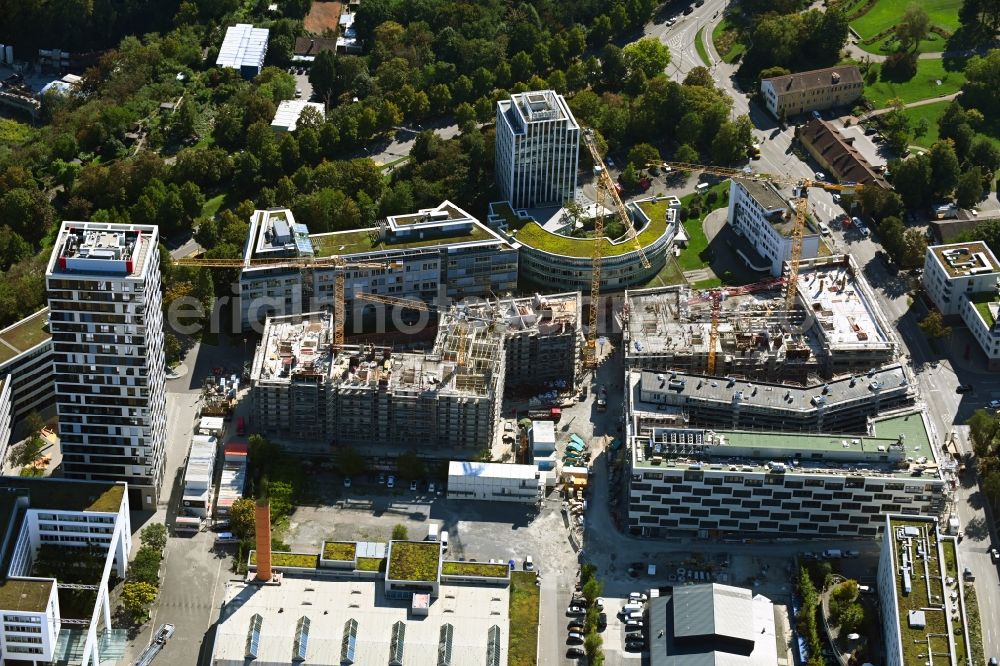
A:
(537, 149)
(105, 318)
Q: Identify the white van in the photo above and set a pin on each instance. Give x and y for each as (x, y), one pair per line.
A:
(444, 539)
(701, 187)
(432, 532)
(631, 608)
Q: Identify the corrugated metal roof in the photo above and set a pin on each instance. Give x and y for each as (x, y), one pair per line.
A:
(713, 609)
(244, 46)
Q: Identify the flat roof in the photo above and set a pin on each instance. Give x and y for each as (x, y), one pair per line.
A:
(24, 335)
(468, 611)
(987, 304)
(414, 560)
(532, 234)
(763, 193)
(68, 494)
(243, 46)
(367, 241)
(966, 259)
(492, 470)
(925, 593)
(897, 446)
(29, 595)
(776, 396)
(98, 249)
(289, 111)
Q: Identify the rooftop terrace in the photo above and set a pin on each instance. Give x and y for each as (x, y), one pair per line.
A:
(987, 305)
(24, 335)
(961, 259)
(528, 232)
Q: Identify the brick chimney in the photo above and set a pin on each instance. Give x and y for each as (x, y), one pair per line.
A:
(262, 525)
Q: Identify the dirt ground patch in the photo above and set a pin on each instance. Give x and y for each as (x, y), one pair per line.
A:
(323, 18)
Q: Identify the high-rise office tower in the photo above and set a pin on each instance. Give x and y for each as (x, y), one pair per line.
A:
(537, 149)
(105, 317)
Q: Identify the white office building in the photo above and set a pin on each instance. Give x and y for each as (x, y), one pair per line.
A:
(106, 321)
(537, 149)
(963, 279)
(26, 357)
(917, 563)
(41, 521)
(759, 213)
(435, 253)
(494, 482)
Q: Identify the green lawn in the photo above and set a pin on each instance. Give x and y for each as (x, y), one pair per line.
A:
(212, 205)
(699, 44)
(886, 13)
(725, 38)
(671, 273)
(524, 597)
(923, 85)
(931, 113)
(697, 243)
(710, 283)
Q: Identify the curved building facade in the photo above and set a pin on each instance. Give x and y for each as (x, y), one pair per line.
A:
(546, 256)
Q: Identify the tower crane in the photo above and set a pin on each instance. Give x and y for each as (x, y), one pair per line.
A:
(339, 265)
(605, 189)
(798, 235)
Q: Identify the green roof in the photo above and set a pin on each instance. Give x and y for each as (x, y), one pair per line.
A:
(341, 551)
(796, 441)
(371, 564)
(25, 595)
(911, 426)
(414, 560)
(475, 569)
(284, 559)
(361, 241)
(533, 235)
(982, 301)
(68, 495)
(24, 335)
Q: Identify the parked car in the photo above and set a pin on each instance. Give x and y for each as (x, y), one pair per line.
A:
(392, 482)
(634, 646)
(963, 388)
(225, 539)
(413, 486)
(599, 602)
(574, 637)
(633, 623)
(430, 487)
(381, 479)
(994, 555)
(164, 633)
(575, 625)
(816, 115)
(576, 610)
(602, 621)
(819, 175)
(347, 482)
(529, 565)
(636, 597)
(575, 652)
(671, 21)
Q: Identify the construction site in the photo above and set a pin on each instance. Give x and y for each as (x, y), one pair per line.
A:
(312, 395)
(833, 327)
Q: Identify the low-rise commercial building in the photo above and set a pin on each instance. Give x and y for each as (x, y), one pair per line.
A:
(197, 498)
(837, 327)
(437, 253)
(836, 154)
(759, 213)
(695, 481)
(552, 256)
(694, 625)
(290, 110)
(494, 482)
(26, 356)
(815, 90)
(58, 519)
(962, 279)
(921, 593)
(244, 49)
(444, 403)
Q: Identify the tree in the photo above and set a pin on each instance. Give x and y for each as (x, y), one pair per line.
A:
(933, 325)
(983, 430)
(591, 590)
(242, 518)
(914, 248)
(732, 141)
(851, 618)
(136, 599)
(913, 27)
(970, 188)
(642, 155)
(944, 168)
(145, 568)
(154, 535)
(686, 153)
(912, 180)
(33, 423)
(648, 55)
(630, 177)
(896, 126)
(892, 229)
(400, 533)
(592, 646)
